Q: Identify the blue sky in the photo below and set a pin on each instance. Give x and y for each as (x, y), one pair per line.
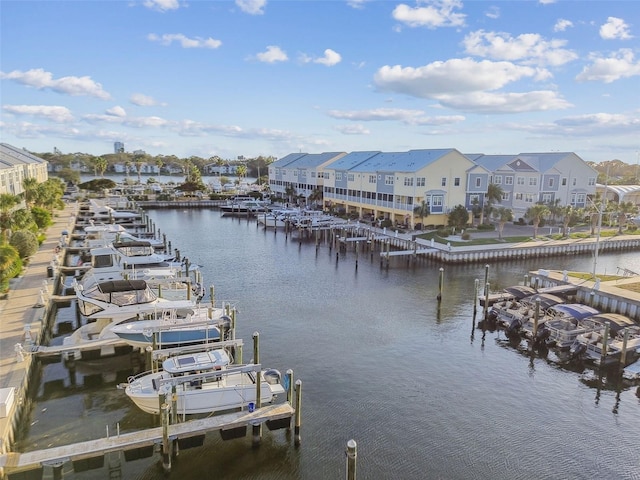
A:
(258, 77)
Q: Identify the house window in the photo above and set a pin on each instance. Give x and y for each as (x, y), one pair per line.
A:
(350, 177)
(338, 176)
(533, 181)
(313, 174)
(436, 200)
(592, 181)
(388, 179)
(520, 180)
(505, 196)
(456, 182)
(581, 198)
(408, 181)
(444, 181)
(498, 180)
(518, 196)
(547, 198)
(528, 197)
(564, 181)
(478, 182)
(574, 182)
(372, 179)
(420, 182)
(474, 199)
(508, 180)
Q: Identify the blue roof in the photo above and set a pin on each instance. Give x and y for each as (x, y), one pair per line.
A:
(351, 160)
(287, 159)
(410, 161)
(493, 162)
(315, 159)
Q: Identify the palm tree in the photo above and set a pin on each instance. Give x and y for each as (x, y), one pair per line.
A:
(536, 213)
(316, 196)
(7, 202)
(138, 160)
(593, 210)
(30, 186)
(159, 164)
(569, 215)
(504, 215)
(493, 195)
(422, 210)
(102, 165)
(290, 192)
(625, 208)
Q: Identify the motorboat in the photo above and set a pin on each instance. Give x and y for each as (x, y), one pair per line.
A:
(606, 345)
(99, 212)
(103, 234)
(120, 300)
(138, 261)
(512, 314)
(244, 206)
(204, 325)
(203, 383)
(278, 217)
(558, 323)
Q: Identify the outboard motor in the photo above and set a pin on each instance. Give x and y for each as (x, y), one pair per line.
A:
(224, 325)
(272, 376)
(514, 327)
(577, 350)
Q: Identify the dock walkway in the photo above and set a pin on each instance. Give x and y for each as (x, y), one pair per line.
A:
(22, 312)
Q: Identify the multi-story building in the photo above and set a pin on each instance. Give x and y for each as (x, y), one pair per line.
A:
(16, 165)
(561, 178)
(118, 147)
(300, 174)
(373, 184)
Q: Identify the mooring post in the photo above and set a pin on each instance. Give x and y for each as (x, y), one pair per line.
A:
(486, 299)
(166, 443)
(440, 283)
(298, 419)
(605, 341)
(476, 285)
(352, 454)
(174, 404)
(357, 254)
(536, 318)
(257, 429)
(623, 354)
(212, 294)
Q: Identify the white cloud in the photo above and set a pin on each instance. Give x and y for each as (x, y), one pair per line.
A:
(162, 5)
(408, 117)
(184, 41)
(546, 2)
(330, 58)
(252, 7)
(620, 64)
(437, 13)
(143, 100)
(528, 47)
(272, 54)
(352, 129)
(54, 113)
(357, 4)
(562, 24)
(588, 125)
(493, 12)
(117, 111)
(489, 102)
(41, 80)
(458, 75)
(615, 28)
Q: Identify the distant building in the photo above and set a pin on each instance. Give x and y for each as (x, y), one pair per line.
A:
(118, 147)
(17, 164)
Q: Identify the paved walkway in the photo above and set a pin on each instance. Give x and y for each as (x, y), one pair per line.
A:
(24, 307)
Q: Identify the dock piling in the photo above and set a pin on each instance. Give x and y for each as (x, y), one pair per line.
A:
(440, 284)
(298, 416)
(352, 454)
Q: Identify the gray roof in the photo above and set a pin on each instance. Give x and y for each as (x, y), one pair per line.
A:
(287, 159)
(313, 160)
(351, 160)
(543, 162)
(493, 162)
(11, 156)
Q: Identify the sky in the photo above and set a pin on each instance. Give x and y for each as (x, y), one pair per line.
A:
(273, 77)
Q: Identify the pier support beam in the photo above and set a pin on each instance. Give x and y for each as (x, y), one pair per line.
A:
(297, 439)
(352, 454)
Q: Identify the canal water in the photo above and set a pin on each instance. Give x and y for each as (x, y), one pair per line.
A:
(423, 391)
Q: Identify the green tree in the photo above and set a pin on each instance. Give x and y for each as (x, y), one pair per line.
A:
(41, 217)
(290, 192)
(25, 242)
(101, 164)
(30, 185)
(569, 216)
(10, 265)
(458, 217)
(316, 196)
(536, 213)
(139, 160)
(503, 215)
(422, 210)
(624, 209)
(159, 164)
(69, 176)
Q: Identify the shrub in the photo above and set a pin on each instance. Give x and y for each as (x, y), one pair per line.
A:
(386, 223)
(42, 217)
(25, 242)
(486, 227)
(466, 236)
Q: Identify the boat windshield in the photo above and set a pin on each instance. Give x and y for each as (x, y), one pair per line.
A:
(125, 293)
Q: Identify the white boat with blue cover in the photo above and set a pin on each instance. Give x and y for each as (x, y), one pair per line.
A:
(204, 383)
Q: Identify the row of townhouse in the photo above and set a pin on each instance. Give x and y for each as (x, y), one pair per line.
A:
(17, 164)
(391, 185)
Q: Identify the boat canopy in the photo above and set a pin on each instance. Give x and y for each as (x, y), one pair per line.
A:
(121, 292)
(617, 322)
(575, 310)
(546, 300)
(520, 291)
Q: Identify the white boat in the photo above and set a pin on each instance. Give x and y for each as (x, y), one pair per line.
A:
(204, 383)
(120, 300)
(632, 372)
(556, 325)
(512, 314)
(99, 212)
(590, 346)
(203, 325)
(244, 206)
(102, 235)
(278, 218)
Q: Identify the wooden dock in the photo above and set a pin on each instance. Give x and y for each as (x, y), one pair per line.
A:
(275, 416)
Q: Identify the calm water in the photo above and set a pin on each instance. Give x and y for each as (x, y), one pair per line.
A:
(424, 393)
